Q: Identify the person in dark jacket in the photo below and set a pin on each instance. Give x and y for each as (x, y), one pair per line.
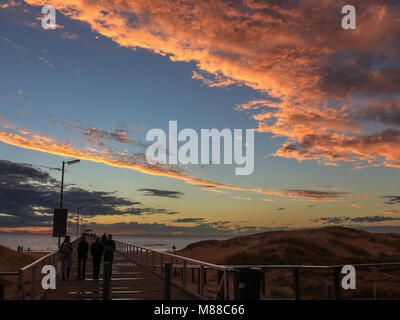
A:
(96, 250)
(83, 248)
(104, 238)
(109, 248)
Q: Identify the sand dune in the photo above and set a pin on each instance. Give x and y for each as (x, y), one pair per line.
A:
(327, 246)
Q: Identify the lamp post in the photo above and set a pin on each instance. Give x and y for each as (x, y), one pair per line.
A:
(62, 184)
(77, 222)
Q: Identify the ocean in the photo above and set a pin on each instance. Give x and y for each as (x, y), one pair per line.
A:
(45, 242)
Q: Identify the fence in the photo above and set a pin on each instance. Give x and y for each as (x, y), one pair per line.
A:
(209, 281)
(28, 285)
(204, 280)
(200, 279)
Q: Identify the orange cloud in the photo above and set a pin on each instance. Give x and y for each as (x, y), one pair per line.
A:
(393, 212)
(43, 230)
(327, 85)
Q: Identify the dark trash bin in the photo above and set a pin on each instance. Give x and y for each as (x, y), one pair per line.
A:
(247, 284)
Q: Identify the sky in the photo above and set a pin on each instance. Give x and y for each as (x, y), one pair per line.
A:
(323, 101)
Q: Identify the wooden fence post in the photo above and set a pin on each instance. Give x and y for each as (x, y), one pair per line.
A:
(167, 283)
(296, 274)
(21, 285)
(1, 291)
(336, 282)
(106, 281)
(184, 274)
(33, 283)
(201, 280)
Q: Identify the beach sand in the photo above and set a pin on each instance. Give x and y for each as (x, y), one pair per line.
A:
(12, 261)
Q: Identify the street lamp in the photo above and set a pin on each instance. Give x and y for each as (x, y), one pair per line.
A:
(62, 184)
(77, 222)
(62, 178)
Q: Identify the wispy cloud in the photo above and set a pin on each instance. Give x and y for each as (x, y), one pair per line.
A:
(390, 211)
(162, 193)
(353, 220)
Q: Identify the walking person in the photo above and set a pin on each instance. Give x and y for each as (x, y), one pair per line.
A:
(109, 248)
(83, 248)
(104, 238)
(96, 250)
(66, 256)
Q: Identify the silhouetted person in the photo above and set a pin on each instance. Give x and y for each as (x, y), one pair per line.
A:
(96, 250)
(19, 249)
(103, 238)
(109, 248)
(83, 248)
(66, 256)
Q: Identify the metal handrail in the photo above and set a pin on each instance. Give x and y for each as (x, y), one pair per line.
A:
(201, 265)
(171, 255)
(229, 269)
(50, 257)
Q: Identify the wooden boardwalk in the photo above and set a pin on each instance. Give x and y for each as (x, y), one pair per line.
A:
(129, 282)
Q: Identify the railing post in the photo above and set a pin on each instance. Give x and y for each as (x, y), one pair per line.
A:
(153, 258)
(134, 253)
(201, 280)
(33, 283)
(296, 274)
(184, 274)
(147, 257)
(106, 281)
(167, 284)
(174, 265)
(1, 291)
(336, 282)
(263, 282)
(226, 285)
(21, 285)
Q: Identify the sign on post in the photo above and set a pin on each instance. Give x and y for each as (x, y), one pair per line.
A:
(60, 222)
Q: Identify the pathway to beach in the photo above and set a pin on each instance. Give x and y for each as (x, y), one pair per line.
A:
(129, 282)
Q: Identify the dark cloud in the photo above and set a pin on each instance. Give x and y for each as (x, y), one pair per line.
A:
(162, 193)
(212, 228)
(353, 220)
(184, 220)
(28, 196)
(315, 194)
(392, 199)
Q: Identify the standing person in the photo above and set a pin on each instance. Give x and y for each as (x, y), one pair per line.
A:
(109, 248)
(66, 256)
(104, 238)
(96, 250)
(83, 248)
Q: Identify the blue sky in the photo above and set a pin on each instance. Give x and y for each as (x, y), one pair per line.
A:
(56, 84)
